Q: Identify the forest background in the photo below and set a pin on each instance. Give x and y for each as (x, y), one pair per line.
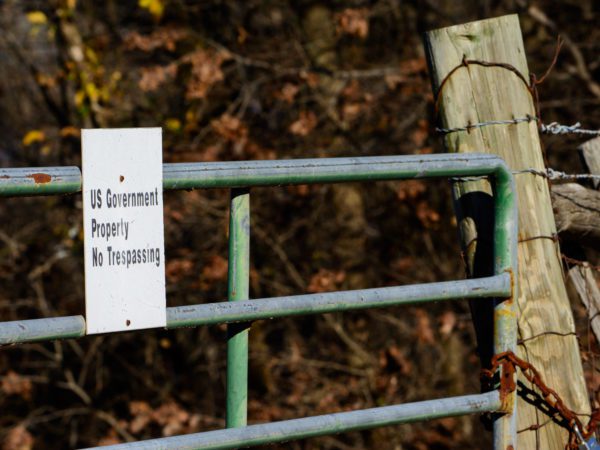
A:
(231, 80)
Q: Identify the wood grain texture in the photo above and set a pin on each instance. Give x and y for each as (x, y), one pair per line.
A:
(587, 289)
(477, 94)
(590, 154)
(577, 213)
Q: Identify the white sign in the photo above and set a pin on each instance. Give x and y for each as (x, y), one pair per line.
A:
(123, 229)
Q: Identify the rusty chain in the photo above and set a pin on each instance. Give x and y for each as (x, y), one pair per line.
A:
(508, 362)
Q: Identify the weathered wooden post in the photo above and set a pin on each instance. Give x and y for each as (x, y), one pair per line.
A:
(479, 73)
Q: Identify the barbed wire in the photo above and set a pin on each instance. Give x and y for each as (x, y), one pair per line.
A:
(557, 128)
(553, 175)
(552, 128)
(471, 126)
(549, 174)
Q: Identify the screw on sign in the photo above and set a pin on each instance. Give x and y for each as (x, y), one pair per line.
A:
(580, 436)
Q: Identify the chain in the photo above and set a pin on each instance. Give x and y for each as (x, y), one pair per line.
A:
(508, 361)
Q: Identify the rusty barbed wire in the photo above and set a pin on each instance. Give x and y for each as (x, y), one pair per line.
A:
(546, 333)
(553, 238)
(471, 126)
(508, 362)
(531, 85)
(578, 262)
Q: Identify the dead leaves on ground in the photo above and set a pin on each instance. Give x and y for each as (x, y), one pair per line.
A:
(353, 22)
(18, 438)
(14, 384)
(170, 416)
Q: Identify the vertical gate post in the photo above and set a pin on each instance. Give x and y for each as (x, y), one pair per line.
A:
(479, 74)
(237, 333)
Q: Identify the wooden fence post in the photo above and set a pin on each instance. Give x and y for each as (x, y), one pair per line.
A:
(469, 93)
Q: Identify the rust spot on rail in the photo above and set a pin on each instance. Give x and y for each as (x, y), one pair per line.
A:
(512, 286)
(40, 178)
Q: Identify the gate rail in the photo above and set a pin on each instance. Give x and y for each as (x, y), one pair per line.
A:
(239, 176)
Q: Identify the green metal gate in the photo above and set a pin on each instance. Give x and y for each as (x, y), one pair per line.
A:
(239, 177)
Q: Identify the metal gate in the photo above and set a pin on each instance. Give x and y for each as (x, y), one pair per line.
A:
(239, 310)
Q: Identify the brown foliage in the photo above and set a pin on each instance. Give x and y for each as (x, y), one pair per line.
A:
(18, 438)
(288, 92)
(424, 330)
(354, 22)
(15, 384)
(178, 268)
(170, 416)
(154, 77)
(411, 189)
(206, 71)
(215, 270)
(306, 122)
(246, 80)
(166, 38)
(326, 280)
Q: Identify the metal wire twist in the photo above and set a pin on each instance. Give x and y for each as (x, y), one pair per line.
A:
(471, 126)
(557, 128)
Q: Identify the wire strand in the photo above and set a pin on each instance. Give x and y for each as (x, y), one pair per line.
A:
(557, 128)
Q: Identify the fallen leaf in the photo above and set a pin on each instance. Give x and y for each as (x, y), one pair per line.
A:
(206, 71)
(15, 384)
(33, 136)
(215, 270)
(421, 133)
(426, 215)
(36, 17)
(18, 438)
(354, 22)
(306, 122)
(447, 323)
(166, 38)
(410, 190)
(326, 280)
(155, 76)
(142, 415)
(154, 7)
(423, 329)
(70, 131)
(178, 268)
(400, 359)
(288, 92)
(172, 417)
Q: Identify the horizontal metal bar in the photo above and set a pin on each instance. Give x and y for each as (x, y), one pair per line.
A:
(19, 331)
(67, 180)
(324, 170)
(287, 430)
(268, 308)
(39, 181)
